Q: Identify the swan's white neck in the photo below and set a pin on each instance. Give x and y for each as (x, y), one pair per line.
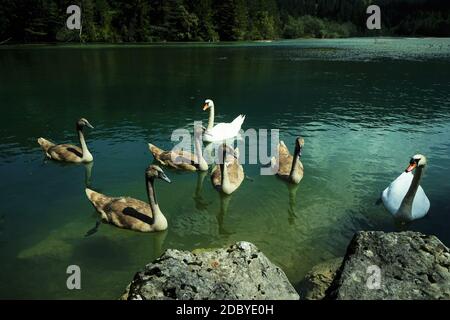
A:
(405, 209)
(225, 178)
(151, 193)
(211, 118)
(87, 156)
(159, 220)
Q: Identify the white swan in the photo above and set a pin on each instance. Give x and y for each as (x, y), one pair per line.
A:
(221, 131)
(404, 197)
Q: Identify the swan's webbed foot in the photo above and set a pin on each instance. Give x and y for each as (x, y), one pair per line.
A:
(93, 230)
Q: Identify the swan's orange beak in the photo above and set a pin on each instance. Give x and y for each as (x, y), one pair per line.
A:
(411, 167)
(205, 107)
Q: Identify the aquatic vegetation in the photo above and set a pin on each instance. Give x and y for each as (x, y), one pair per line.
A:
(58, 244)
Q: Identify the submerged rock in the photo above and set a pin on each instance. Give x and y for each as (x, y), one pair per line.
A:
(240, 271)
(319, 279)
(403, 265)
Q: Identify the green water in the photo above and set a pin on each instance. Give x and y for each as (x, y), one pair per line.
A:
(364, 106)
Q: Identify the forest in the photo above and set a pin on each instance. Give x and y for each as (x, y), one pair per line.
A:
(115, 21)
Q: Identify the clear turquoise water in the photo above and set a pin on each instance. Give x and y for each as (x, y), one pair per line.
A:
(364, 107)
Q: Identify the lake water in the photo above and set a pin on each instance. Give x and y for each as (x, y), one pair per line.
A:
(364, 107)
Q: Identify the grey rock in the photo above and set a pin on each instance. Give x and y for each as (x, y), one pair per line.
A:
(240, 271)
(412, 266)
(319, 279)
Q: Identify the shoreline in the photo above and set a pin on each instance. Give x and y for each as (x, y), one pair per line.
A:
(206, 43)
(377, 265)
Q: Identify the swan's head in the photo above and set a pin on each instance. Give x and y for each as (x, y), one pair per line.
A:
(83, 123)
(299, 143)
(155, 172)
(208, 104)
(418, 160)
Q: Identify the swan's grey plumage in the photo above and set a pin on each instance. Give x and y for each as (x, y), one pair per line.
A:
(180, 159)
(286, 166)
(69, 152)
(228, 175)
(130, 213)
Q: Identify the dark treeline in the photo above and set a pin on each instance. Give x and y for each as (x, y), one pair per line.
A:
(214, 20)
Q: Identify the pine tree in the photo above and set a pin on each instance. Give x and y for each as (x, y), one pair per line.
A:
(232, 19)
(131, 20)
(179, 24)
(206, 20)
(263, 19)
(6, 25)
(206, 30)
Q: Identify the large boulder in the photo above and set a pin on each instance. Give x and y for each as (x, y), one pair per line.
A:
(240, 271)
(403, 265)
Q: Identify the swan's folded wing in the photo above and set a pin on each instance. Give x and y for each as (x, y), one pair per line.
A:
(177, 157)
(283, 151)
(66, 152)
(284, 160)
(219, 129)
(156, 152)
(238, 121)
(127, 212)
(236, 173)
(187, 157)
(223, 131)
(393, 195)
(421, 204)
(98, 200)
(45, 144)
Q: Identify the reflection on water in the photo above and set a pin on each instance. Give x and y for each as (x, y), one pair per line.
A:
(88, 174)
(362, 117)
(224, 204)
(201, 203)
(292, 190)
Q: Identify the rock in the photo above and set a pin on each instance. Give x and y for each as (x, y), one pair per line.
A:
(319, 279)
(411, 265)
(125, 295)
(240, 271)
